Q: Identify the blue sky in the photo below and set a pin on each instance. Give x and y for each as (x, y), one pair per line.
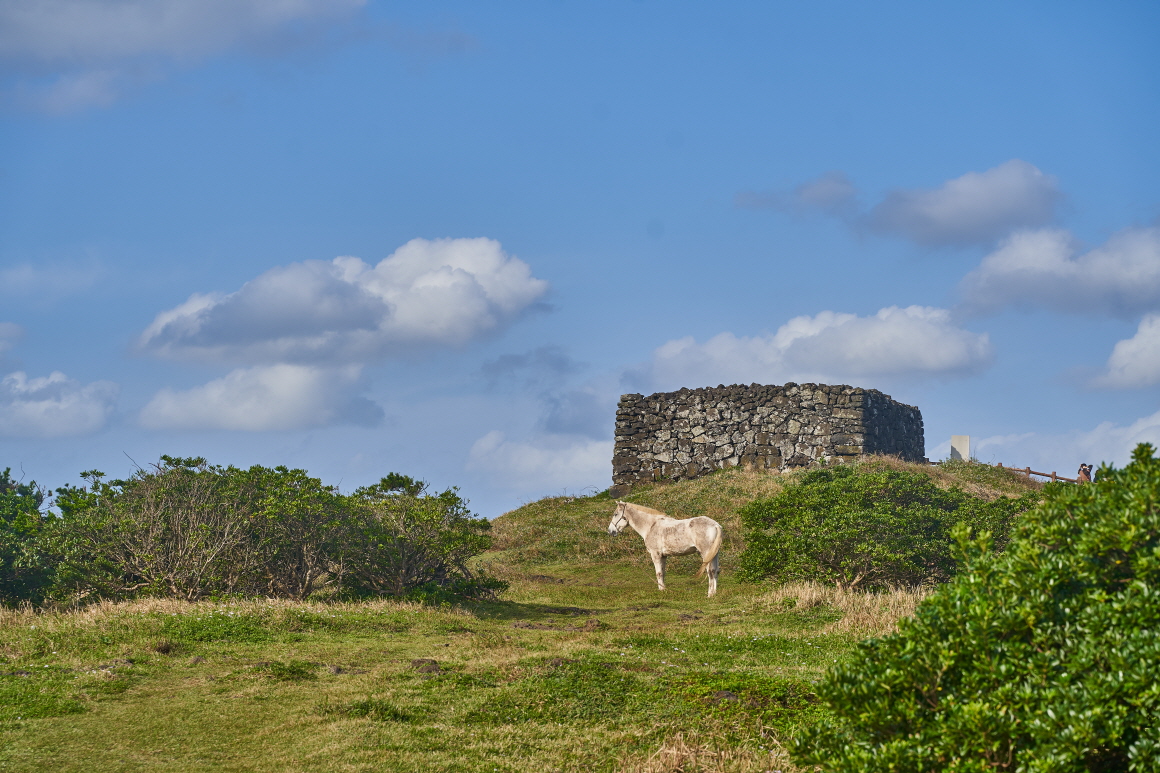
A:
(443, 238)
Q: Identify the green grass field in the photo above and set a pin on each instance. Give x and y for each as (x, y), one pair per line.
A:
(581, 665)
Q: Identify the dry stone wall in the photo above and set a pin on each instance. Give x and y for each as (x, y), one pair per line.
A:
(686, 434)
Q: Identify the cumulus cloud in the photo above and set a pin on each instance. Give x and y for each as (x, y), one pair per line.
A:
(545, 464)
(443, 292)
(53, 406)
(263, 398)
(1135, 362)
(83, 53)
(10, 333)
(1046, 268)
(978, 207)
(828, 347)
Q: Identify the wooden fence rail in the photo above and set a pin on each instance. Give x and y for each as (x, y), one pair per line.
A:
(1029, 472)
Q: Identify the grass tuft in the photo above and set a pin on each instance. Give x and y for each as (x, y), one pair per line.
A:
(374, 709)
(290, 671)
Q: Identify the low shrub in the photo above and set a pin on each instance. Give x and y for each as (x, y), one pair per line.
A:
(22, 574)
(405, 542)
(190, 530)
(869, 527)
(1042, 658)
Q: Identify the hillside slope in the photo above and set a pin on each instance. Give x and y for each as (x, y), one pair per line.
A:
(573, 530)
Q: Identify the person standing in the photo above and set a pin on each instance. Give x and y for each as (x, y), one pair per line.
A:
(1085, 474)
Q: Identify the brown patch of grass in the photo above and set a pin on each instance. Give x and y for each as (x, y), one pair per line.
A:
(684, 753)
(863, 614)
(102, 613)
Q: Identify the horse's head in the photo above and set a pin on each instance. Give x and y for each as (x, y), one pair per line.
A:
(619, 520)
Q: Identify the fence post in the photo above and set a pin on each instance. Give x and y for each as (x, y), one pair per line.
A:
(1053, 476)
(1028, 471)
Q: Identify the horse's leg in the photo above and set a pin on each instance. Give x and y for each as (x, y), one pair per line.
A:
(659, 563)
(714, 570)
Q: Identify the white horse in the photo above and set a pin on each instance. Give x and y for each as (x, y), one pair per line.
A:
(665, 536)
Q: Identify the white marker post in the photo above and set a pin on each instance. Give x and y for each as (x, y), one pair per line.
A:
(961, 447)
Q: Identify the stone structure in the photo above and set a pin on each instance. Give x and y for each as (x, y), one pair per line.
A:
(686, 434)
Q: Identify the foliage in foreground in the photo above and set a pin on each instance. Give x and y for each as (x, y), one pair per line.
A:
(864, 527)
(20, 521)
(190, 530)
(1042, 658)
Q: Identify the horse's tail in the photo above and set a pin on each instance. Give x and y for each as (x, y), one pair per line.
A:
(714, 548)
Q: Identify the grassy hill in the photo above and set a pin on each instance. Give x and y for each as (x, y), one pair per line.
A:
(572, 530)
(581, 665)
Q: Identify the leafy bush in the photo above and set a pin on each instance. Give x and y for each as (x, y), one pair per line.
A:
(178, 530)
(21, 519)
(865, 528)
(1042, 658)
(407, 540)
(191, 530)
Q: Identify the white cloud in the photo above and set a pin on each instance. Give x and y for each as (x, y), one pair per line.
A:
(828, 347)
(1135, 362)
(443, 292)
(10, 333)
(978, 207)
(264, 398)
(549, 463)
(92, 49)
(53, 406)
(1046, 268)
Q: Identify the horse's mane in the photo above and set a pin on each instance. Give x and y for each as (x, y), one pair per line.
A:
(644, 509)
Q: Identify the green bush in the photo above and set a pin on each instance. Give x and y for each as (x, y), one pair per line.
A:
(861, 527)
(187, 529)
(407, 542)
(22, 575)
(1043, 658)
